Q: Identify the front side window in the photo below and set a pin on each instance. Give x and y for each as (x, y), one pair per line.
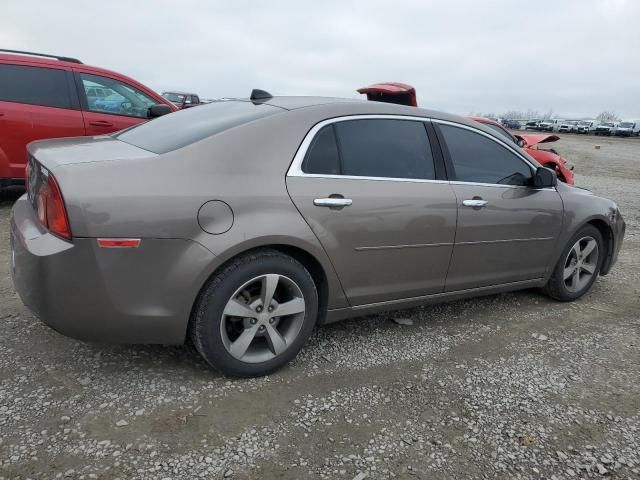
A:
(34, 85)
(372, 148)
(479, 159)
(120, 98)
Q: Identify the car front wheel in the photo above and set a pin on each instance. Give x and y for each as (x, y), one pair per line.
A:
(578, 267)
(254, 316)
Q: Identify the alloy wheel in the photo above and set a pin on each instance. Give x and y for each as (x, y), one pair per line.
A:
(581, 264)
(262, 318)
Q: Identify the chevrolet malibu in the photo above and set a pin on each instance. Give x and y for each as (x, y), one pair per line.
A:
(242, 225)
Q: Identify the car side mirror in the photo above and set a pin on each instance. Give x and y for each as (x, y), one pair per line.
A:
(158, 110)
(544, 178)
(521, 142)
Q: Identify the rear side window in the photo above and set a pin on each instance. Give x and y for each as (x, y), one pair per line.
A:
(479, 159)
(179, 129)
(322, 156)
(372, 148)
(385, 148)
(34, 85)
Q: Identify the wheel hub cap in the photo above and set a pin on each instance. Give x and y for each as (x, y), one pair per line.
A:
(262, 318)
(580, 264)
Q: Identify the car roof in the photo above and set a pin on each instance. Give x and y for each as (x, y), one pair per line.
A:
(46, 61)
(328, 107)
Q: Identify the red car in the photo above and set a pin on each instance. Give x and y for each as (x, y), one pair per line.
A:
(404, 94)
(47, 96)
(530, 141)
(391, 92)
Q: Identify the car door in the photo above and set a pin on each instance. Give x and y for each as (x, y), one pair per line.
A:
(368, 188)
(122, 107)
(507, 230)
(35, 103)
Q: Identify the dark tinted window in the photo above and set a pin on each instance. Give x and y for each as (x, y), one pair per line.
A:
(34, 85)
(385, 148)
(477, 158)
(188, 126)
(322, 156)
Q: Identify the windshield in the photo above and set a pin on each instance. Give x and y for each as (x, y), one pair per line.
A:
(584, 122)
(626, 124)
(173, 97)
(179, 129)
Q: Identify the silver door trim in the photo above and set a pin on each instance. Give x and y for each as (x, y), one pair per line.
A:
(393, 247)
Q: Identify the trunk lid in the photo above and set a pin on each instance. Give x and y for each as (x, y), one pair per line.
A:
(536, 138)
(67, 151)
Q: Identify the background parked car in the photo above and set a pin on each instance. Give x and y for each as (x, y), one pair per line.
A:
(606, 128)
(513, 124)
(628, 129)
(568, 126)
(391, 92)
(183, 99)
(532, 125)
(48, 96)
(549, 125)
(586, 126)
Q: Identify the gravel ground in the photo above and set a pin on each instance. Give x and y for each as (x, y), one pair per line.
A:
(507, 386)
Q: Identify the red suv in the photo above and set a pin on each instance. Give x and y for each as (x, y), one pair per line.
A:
(46, 96)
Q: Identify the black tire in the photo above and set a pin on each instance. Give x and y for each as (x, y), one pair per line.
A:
(556, 287)
(205, 325)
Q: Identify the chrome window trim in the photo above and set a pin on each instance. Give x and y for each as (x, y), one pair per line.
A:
(295, 169)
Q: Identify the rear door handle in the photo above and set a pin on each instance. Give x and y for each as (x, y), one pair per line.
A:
(101, 123)
(475, 203)
(332, 202)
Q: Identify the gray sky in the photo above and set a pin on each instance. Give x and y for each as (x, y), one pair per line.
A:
(576, 57)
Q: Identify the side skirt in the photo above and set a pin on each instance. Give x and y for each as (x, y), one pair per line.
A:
(361, 310)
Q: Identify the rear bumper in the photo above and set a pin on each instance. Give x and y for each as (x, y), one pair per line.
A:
(141, 295)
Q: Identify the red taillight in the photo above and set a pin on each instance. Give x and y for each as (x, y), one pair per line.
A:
(50, 208)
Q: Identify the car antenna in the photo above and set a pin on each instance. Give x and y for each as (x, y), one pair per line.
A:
(257, 94)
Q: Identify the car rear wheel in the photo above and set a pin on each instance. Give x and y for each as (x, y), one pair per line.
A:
(255, 315)
(578, 267)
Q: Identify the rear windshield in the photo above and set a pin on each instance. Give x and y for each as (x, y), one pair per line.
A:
(179, 129)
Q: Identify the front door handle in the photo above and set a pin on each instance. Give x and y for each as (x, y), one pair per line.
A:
(101, 123)
(475, 203)
(332, 202)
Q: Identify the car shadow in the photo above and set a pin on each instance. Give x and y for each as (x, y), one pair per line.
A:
(9, 195)
(182, 362)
